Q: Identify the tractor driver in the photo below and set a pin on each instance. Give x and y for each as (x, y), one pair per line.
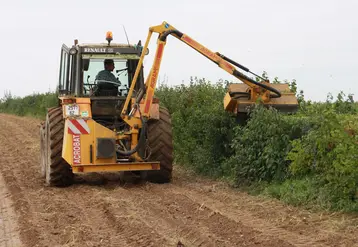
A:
(106, 75)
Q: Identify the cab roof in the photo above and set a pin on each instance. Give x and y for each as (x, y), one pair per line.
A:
(113, 48)
(106, 45)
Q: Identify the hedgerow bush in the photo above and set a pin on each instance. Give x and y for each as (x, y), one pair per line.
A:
(329, 152)
(260, 147)
(202, 129)
(323, 166)
(33, 105)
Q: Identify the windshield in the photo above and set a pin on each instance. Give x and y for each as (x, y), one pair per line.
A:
(97, 64)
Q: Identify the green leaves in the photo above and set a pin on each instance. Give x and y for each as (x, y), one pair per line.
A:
(329, 151)
(33, 105)
(202, 129)
(260, 147)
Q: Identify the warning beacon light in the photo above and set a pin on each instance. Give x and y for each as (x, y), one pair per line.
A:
(109, 37)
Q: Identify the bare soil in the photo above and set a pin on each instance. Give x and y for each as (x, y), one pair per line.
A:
(102, 212)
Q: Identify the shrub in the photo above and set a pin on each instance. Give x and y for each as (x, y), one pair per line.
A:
(34, 105)
(260, 147)
(297, 192)
(330, 152)
(202, 129)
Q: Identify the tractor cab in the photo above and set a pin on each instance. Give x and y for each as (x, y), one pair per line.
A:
(81, 64)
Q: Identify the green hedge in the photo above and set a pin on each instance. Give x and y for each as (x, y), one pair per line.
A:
(202, 129)
(306, 159)
(33, 105)
(260, 148)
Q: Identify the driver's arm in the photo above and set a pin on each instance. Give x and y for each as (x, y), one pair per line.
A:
(113, 78)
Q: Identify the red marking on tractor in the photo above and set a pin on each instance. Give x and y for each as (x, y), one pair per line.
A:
(76, 148)
(78, 126)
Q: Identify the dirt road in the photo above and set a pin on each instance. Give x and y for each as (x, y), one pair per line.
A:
(100, 212)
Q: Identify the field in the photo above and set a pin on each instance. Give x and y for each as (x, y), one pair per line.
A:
(278, 181)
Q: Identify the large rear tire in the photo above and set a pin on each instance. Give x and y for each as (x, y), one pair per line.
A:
(58, 171)
(160, 142)
(43, 146)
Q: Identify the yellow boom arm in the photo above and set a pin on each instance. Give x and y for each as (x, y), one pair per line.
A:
(259, 89)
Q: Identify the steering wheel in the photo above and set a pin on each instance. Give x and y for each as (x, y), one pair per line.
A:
(95, 85)
(89, 85)
(115, 83)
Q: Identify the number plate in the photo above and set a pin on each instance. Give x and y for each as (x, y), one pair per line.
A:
(72, 110)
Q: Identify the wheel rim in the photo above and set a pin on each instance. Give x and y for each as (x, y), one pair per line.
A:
(42, 152)
(48, 153)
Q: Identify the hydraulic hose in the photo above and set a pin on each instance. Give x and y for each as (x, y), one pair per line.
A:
(238, 74)
(241, 75)
(140, 142)
(144, 127)
(140, 95)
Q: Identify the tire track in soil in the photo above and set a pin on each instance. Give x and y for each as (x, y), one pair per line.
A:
(10, 150)
(130, 225)
(57, 216)
(247, 219)
(9, 236)
(154, 212)
(271, 218)
(190, 222)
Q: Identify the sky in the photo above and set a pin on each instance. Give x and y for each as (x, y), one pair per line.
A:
(314, 42)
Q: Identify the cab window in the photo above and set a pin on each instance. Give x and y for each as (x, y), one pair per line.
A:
(96, 65)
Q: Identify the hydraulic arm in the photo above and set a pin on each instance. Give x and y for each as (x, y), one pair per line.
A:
(260, 90)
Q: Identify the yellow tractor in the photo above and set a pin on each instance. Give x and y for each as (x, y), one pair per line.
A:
(113, 123)
(105, 122)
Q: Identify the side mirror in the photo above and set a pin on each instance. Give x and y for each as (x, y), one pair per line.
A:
(85, 64)
(140, 47)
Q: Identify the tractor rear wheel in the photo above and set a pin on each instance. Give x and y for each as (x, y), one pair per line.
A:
(58, 171)
(160, 142)
(43, 147)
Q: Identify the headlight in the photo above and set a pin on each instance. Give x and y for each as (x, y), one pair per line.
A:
(73, 51)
